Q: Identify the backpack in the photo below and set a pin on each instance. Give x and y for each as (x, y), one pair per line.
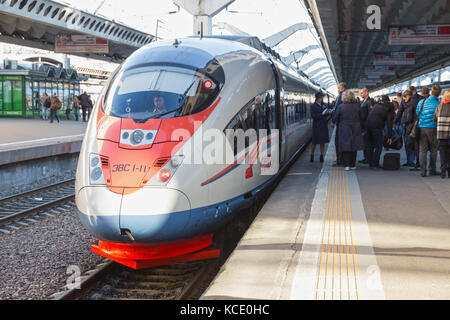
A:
(47, 103)
(57, 104)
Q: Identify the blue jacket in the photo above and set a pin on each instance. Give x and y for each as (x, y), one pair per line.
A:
(426, 118)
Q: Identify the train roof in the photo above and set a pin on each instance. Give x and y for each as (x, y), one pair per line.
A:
(259, 45)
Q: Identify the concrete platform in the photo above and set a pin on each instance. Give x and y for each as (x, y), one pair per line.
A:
(330, 234)
(20, 130)
(29, 139)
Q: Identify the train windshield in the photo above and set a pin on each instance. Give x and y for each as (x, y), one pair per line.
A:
(152, 92)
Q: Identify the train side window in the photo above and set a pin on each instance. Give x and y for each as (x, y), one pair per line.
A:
(231, 132)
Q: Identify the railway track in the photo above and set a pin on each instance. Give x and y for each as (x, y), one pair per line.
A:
(111, 281)
(29, 205)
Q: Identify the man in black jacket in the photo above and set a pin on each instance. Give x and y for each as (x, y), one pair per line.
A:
(86, 105)
(406, 117)
(381, 113)
(366, 106)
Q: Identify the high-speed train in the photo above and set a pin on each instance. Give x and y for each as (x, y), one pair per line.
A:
(146, 186)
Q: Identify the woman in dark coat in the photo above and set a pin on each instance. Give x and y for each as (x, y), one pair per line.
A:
(348, 117)
(320, 114)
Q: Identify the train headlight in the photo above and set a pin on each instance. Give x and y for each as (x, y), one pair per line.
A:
(165, 175)
(137, 137)
(95, 172)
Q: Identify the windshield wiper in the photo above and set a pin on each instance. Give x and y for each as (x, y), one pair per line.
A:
(182, 100)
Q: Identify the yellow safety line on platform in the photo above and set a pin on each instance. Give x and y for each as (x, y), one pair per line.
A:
(338, 268)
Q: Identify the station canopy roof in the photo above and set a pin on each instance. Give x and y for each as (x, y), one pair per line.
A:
(351, 45)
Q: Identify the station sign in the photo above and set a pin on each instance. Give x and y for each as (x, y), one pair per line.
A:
(419, 35)
(79, 43)
(380, 71)
(369, 82)
(394, 58)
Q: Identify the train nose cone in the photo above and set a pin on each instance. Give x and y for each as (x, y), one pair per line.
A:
(98, 210)
(155, 214)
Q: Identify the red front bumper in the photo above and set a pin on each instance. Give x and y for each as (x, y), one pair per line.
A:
(147, 255)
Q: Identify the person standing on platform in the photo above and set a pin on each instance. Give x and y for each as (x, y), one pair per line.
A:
(55, 105)
(86, 105)
(348, 119)
(415, 99)
(45, 104)
(341, 88)
(320, 136)
(366, 106)
(428, 131)
(442, 118)
(405, 118)
(76, 107)
(382, 113)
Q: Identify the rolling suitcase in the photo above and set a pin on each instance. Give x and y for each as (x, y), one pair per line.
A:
(391, 161)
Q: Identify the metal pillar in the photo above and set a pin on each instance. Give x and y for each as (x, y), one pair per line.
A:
(203, 12)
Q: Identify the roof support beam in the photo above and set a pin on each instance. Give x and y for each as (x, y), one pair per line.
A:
(230, 28)
(318, 71)
(297, 55)
(280, 36)
(308, 65)
(322, 77)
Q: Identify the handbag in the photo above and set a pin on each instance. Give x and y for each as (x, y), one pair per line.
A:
(397, 142)
(415, 132)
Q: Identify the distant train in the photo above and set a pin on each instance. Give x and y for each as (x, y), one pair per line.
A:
(137, 192)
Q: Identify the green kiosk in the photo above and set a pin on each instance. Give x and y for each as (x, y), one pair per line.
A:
(22, 86)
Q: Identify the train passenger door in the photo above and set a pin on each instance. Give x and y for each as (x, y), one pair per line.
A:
(280, 117)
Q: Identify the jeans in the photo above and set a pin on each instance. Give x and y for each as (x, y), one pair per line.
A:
(444, 150)
(53, 115)
(375, 137)
(428, 142)
(77, 113)
(44, 113)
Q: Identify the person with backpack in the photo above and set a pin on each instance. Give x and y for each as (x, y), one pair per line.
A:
(428, 131)
(55, 105)
(76, 107)
(45, 104)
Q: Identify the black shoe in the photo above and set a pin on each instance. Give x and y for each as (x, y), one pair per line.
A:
(312, 158)
(321, 159)
(406, 164)
(365, 161)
